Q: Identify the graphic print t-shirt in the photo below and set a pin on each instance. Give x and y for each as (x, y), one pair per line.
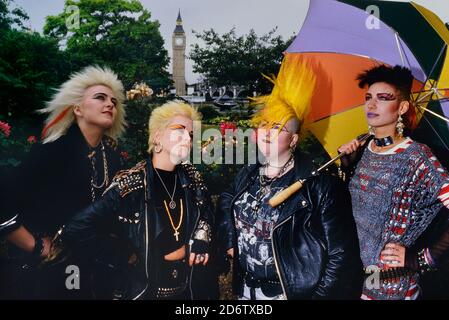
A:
(255, 219)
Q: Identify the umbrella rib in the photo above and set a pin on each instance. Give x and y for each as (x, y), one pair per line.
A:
(434, 113)
(396, 36)
(433, 129)
(431, 71)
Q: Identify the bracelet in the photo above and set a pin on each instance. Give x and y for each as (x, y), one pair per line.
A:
(424, 266)
(203, 232)
(38, 247)
(429, 258)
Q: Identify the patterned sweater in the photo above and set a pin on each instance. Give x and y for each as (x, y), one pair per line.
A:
(395, 196)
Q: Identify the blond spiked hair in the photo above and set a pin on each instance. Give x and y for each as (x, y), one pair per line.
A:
(160, 117)
(70, 94)
(291, 95)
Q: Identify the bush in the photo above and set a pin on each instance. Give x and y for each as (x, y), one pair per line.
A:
(208, 112)
(14, 145)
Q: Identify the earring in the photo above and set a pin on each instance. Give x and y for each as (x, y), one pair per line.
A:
(292, 149)
(157, 147)
(400, 126)
(371, 130)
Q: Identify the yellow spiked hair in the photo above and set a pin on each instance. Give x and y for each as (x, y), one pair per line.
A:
(291, 95)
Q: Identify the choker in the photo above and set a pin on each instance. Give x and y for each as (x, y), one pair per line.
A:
(383, 142)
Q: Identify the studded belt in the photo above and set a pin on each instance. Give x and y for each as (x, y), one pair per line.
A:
(170, 292)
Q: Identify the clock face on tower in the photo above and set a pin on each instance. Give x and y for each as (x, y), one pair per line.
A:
(179, 41)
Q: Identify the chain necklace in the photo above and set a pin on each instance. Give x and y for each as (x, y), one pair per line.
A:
(265, 182)
(175, 229)
(172, 203)
(94, 175)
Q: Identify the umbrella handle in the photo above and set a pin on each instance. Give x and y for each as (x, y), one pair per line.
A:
(283, 195)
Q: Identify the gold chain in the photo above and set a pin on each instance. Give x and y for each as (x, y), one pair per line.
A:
(105, 183)
(176, 233)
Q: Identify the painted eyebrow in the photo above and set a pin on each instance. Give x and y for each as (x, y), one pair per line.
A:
(176, 126)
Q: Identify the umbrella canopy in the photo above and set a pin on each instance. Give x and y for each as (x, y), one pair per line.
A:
(341, 45)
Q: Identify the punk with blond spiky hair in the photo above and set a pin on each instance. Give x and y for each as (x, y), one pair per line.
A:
(71, 93)
(163, 211)
(71, 169)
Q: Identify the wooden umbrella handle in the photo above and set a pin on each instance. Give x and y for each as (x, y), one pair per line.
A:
(285, 194)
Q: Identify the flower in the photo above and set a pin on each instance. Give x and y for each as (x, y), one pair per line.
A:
(227, 126)
(6, 128)
(139, 90)
(31, 139)
(124, 154)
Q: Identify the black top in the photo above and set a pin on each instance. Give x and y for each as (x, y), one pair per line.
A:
(166, 240)
(54, 181)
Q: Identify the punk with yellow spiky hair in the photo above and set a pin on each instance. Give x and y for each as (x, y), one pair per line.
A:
(307, 247)
(290, 98)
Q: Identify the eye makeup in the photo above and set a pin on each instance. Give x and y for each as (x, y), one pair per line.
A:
(180, 127)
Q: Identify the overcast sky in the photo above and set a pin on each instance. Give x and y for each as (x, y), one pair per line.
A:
(199, 15)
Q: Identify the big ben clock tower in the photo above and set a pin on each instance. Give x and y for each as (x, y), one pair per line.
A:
(179, 50)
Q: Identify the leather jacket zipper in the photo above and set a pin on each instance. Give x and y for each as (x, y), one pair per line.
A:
(146, 239)
(275, 257)
(190, 247)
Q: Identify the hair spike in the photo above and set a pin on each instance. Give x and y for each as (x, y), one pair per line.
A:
(161, 115)
(399, 77)
(71, 92)
(291, 95)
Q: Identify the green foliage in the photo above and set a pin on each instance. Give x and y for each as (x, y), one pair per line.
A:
(11, 18)
(117, 33)
(208, 112)
(135, 140)
(229, 59)
(30, 67)
(15, 143)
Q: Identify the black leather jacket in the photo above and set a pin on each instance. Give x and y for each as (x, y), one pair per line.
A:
(314, 241)
(128, 200)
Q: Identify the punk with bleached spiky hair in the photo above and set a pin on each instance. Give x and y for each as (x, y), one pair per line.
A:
(70, 93)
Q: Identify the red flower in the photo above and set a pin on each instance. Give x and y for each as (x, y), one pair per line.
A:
(124, 155)
(32, 139)
(227, 126)
(6, 128)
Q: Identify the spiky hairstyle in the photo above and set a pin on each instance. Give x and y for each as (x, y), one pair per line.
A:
(161, 116)
(70, 94)
(291, 95)
(399, 77)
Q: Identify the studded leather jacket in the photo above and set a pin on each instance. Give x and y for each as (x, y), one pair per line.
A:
(129, 200)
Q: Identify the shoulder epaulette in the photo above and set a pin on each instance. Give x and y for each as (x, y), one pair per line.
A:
(195, 176)
(131, 179)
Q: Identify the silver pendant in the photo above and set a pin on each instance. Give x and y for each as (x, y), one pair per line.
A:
(172, 205)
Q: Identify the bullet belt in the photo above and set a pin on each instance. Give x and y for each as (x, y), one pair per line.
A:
(170, 292)
(390, 274)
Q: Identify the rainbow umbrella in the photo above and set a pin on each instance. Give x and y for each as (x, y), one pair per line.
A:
(342, 38)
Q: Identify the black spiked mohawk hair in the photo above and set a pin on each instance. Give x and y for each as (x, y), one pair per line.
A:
(397, 76)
